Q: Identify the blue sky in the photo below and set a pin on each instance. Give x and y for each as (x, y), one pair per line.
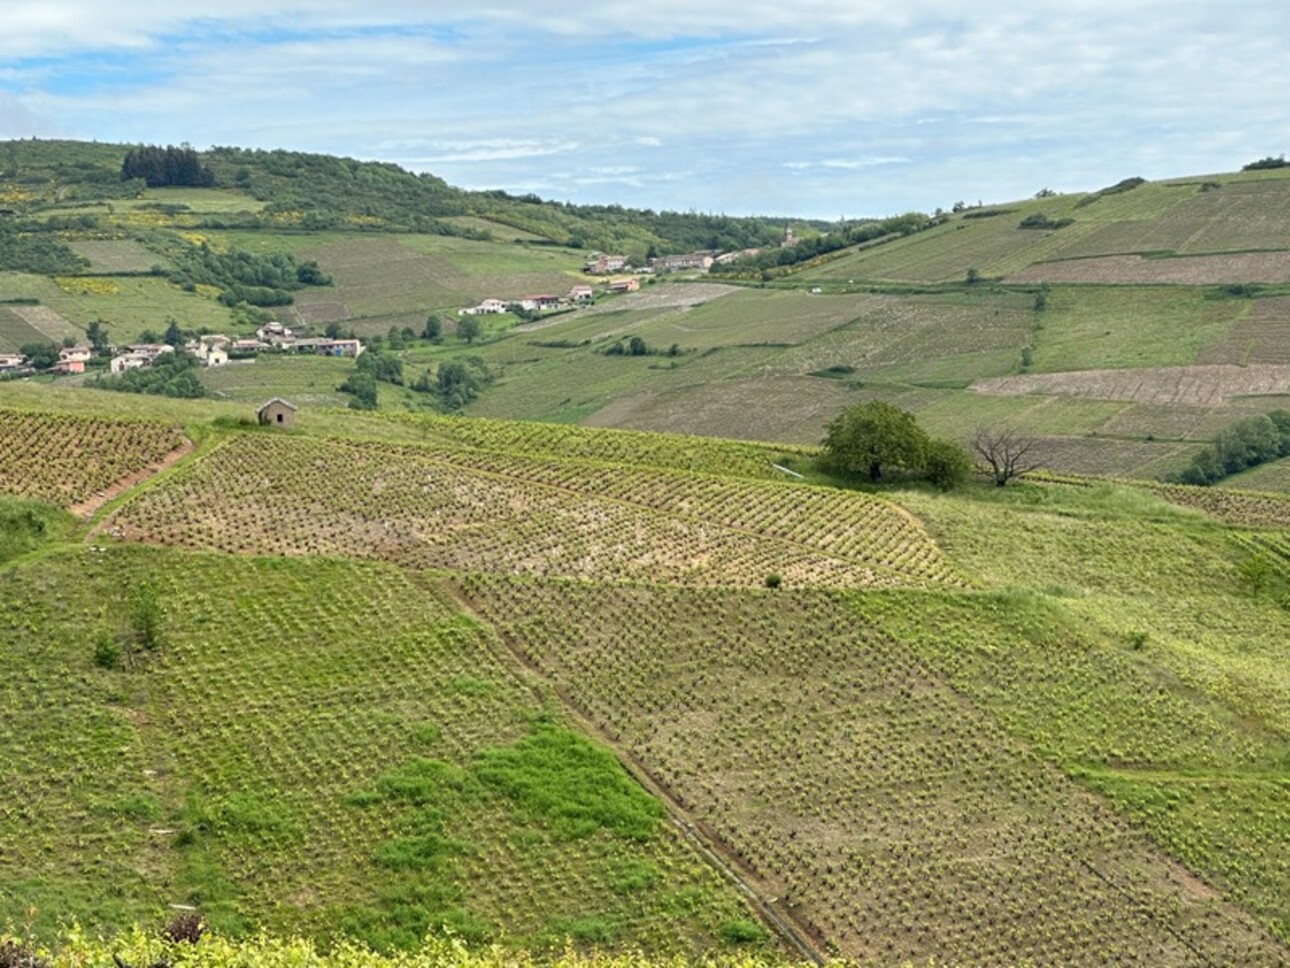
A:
(820, 108)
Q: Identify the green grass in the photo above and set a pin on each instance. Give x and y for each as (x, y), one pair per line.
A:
(173, 780)
(141, 304)
(16, 332)
(1130, 327)
(307, 381)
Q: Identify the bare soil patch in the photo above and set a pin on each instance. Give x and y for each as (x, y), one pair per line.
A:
(1207, 386)
(1188, 270)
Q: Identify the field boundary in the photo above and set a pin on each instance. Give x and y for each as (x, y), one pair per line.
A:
(86, 509)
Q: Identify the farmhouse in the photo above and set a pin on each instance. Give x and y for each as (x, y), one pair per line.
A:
(543, 302)
(276, 413)
(12, 361)
(625, 284)
(489, 307)
(137, 356)
(602, 264)
(211, 350)
(68, 366)
(581, 294)
(75, 354)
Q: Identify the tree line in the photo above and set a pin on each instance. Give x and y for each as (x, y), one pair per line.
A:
(160, 167)
(1247, 443)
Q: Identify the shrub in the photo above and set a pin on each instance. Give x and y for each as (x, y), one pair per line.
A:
(107, 653)
(742, 931)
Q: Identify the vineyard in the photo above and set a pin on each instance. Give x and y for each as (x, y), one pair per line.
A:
(410, 687)
(475, 512)
(64, 459)
(892, 819)
(278, 757)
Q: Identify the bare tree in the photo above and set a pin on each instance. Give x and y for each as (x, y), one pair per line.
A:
(1005, 452)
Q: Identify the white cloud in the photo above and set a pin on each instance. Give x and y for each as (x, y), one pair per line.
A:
(870, 105)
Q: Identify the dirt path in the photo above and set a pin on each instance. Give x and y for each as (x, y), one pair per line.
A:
(85, 509)
(706, 843)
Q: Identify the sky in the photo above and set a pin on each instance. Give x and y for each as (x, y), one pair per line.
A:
(814, 108)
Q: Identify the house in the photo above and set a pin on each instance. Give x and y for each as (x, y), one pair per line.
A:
(12, 361)
(128, 361)
(544, 302)
(75, 354)
(581, 294)
(248, 346)
(212, 350)
(488, 307)
(273, 330)
(276, 413)
(138, 355)
(68, 366)
(339, 347)
(602, 264)
(625, 284)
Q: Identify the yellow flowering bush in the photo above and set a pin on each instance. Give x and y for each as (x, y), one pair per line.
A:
(86, 286)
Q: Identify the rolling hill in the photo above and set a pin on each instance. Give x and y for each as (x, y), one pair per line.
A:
(386, 674)
(1123, 328)
(632, 673)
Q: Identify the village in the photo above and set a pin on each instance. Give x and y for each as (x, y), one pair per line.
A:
(219, 349)
(210, 349)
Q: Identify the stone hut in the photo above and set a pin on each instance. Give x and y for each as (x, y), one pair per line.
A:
(277, 413)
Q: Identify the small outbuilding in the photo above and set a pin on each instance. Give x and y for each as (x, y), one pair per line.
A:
(277, 413)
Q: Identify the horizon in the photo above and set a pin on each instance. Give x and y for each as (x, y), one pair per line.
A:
(672, 107)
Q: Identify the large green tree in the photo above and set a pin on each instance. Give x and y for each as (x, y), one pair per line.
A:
(872, 436)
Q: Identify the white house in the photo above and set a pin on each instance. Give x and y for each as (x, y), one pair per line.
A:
(488, 307)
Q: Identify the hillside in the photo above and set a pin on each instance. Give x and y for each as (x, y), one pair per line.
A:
(1123, 329)
(384, 674)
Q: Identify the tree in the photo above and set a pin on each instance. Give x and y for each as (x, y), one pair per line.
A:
(1004, 453)
(433, 330)
(145, 617)
(873, 435)
(174, 335)
(41, 356)
(973, 276)
(468, 329)
(946, 464)
(97, 335)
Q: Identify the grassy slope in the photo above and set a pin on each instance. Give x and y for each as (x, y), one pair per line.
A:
(1110, 660)
(273, 762)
